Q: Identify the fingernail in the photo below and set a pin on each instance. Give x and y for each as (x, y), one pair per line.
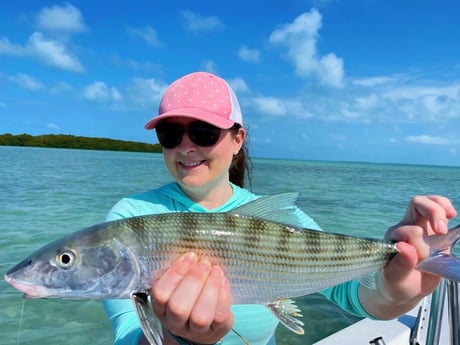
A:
(204, 265)
(189, 258)
(442, 226)
(217, 273)
(224, 283)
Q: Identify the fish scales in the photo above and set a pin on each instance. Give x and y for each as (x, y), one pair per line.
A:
(265, 254)
(254, 252)
(260, 245)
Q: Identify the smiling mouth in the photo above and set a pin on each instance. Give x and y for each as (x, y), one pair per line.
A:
(191, 164)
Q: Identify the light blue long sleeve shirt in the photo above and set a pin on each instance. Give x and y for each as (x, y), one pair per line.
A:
(255, 322)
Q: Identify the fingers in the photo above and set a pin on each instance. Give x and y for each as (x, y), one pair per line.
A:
(425, 216)
(212, 308)
(402, 282)
(163, 288)
(415, 236)
(430, 212)
(192, 299)
(182, 302)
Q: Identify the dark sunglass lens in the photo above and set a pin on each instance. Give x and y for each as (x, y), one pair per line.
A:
(169, 134)
(203, 134)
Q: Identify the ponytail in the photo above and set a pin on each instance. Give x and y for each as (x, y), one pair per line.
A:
(241, 165)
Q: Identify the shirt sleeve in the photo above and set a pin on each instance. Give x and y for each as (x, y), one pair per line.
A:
(124, 321)
(346, 297)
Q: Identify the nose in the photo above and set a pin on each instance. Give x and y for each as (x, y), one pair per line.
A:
(186, 144)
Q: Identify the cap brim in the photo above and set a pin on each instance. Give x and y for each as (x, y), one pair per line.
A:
(193, 113)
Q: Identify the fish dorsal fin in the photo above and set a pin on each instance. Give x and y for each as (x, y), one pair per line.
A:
(279, 208)
(149, 322)
(287, 312)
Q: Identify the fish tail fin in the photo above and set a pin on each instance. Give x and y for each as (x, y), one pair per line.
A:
(441, 262)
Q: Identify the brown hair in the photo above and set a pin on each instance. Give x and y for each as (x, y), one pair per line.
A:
(241, 165)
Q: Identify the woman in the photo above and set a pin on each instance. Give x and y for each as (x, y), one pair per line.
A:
(200, 128)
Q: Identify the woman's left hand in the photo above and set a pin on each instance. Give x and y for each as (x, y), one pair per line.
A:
(401, 286)
(192, 300)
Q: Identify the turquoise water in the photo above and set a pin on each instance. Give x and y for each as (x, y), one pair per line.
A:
(46, 193)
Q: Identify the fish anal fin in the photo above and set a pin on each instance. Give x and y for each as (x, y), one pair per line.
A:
(443, 265)
(287, 312)
(149, 322)
(369, 280)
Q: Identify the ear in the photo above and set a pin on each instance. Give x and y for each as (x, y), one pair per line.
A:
(238, 140)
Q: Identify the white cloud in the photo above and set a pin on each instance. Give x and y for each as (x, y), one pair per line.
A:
(194, 22)
(60, 88)
(148, 34)
(210, 66)
(140, 94)
(62, 19)
(430, 140)
(7, 48)
(425, 103)
(100, 92)
(270, 106)
(26, 82)
(331, 70)
(300, 39)
(238, 85)
(52, 48)
(51, 52)
(53, 126)
(394, 99)
(145, 93)
(250, 55)
(367, 102)
(374, 81)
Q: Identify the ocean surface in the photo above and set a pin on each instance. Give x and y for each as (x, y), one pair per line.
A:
(47, 193)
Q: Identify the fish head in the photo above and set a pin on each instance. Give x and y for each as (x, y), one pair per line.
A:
(79, 266)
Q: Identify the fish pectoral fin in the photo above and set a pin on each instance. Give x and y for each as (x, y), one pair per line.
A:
(149, 322)
(243, 339)
(287, 312)
(443, 265)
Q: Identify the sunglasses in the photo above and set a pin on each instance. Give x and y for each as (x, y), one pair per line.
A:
(200, 133)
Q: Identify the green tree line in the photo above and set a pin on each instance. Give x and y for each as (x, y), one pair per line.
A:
(76, 142)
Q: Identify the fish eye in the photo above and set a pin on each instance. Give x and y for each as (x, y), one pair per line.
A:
(66, 259)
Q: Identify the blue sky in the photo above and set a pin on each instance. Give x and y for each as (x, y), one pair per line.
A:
(359, 80)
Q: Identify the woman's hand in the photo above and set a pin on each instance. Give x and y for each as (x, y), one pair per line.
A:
(192, 300)
(401, 286)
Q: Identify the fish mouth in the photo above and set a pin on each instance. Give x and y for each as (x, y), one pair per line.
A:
(30, 291)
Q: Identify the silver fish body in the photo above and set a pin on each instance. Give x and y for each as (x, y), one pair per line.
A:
(264, 252)
(263, 259)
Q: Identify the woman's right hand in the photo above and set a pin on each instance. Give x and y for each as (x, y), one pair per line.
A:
(192, 300)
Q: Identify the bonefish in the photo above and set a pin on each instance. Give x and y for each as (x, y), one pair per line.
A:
(267, 256)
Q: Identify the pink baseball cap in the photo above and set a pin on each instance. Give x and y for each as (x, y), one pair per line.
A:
(202, 96)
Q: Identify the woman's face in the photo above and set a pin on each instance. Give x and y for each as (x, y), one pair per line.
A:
(201, 169)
